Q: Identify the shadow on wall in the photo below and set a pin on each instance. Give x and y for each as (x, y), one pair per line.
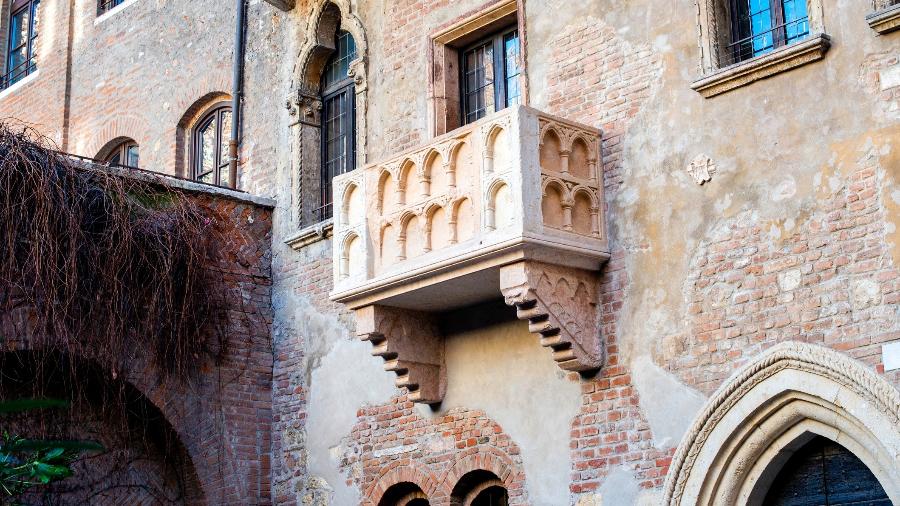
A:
(143, 462)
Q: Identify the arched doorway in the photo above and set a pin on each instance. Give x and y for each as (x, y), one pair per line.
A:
(767, 413)
(480, 488)
(143, 461)
(404, 494)
(824, 472)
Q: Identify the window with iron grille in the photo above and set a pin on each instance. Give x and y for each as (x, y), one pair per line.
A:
(23, 32)
(760, 26)
(209, 155)
(490, 71)
(124, 154)
(338, 136)
(104, 6)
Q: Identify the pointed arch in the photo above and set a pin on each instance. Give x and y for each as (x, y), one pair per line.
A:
(327, 18)
(767, 409)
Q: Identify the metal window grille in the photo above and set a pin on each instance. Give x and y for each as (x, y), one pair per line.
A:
(760, 26)
(338, 134)
(23, 33)
(104, 6)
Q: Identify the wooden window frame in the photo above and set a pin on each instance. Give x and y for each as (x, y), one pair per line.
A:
(214, 112)
(444, 100)
(121, 150)
(497, 40)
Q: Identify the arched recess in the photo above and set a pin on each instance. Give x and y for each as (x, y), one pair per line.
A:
(479, 488)
(144, 460)
(305, 104)
(400, 486)
(769, 408)
(499, 206)
(471, 473)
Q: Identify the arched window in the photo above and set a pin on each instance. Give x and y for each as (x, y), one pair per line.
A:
(338, 118)
(824, 472)
(209, 148)
(123, 154)
(480, 488)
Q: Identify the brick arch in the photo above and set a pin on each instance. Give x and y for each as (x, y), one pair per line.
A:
(137, 381)
(399, 473)
(119, 128)
(482, 459)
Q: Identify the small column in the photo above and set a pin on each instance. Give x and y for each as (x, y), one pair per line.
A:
(450, 169)
(595, 221)
(564, 161)
(567, 216)
(594, 172)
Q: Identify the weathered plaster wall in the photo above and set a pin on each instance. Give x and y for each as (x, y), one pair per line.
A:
(806, 171)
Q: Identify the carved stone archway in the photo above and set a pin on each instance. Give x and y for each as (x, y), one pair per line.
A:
(305, 105)
(771, 407)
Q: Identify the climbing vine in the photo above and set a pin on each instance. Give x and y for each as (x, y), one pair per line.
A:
(95, 262)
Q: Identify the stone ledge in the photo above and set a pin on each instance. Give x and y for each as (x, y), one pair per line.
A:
(761, 67)
(184, 184)
(21, 83)
(886, 20)
(311, 234)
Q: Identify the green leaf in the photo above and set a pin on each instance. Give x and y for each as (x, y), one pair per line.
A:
(29, 404)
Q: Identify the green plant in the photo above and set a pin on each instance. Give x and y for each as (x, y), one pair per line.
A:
(25, 463)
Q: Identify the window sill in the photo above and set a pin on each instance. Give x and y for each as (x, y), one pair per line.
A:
(763, 66)
(112, 12)
(19, 84)
(885, 20)
(311, 234)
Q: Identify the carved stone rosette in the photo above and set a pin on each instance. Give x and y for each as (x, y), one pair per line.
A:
(412, 347)
(560, 304)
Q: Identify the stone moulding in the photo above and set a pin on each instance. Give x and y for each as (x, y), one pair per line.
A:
(560, 306)
(768, 408)
(511, 205)
(885, 20)
(411, 346)
(795, 55)
(284, 5)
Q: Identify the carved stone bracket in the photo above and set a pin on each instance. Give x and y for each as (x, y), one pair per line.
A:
(412, 347)
(560, 304)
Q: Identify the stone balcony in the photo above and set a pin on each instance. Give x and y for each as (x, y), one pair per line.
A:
(511, 205)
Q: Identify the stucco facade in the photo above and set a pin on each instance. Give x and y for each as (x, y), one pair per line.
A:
(744, 257)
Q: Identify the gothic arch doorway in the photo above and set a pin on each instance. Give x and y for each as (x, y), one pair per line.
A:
(767, 413)
(821, 471)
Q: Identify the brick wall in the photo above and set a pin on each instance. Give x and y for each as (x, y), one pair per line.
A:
(827, 280)
(222, 415)
(432, 454)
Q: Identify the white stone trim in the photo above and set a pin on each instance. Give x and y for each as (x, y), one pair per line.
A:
(751, 423)
(885, 20)
(810, 49)
(19, 84)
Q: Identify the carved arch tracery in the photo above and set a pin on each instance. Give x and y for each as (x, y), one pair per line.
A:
(792, 391)
(305, 105)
